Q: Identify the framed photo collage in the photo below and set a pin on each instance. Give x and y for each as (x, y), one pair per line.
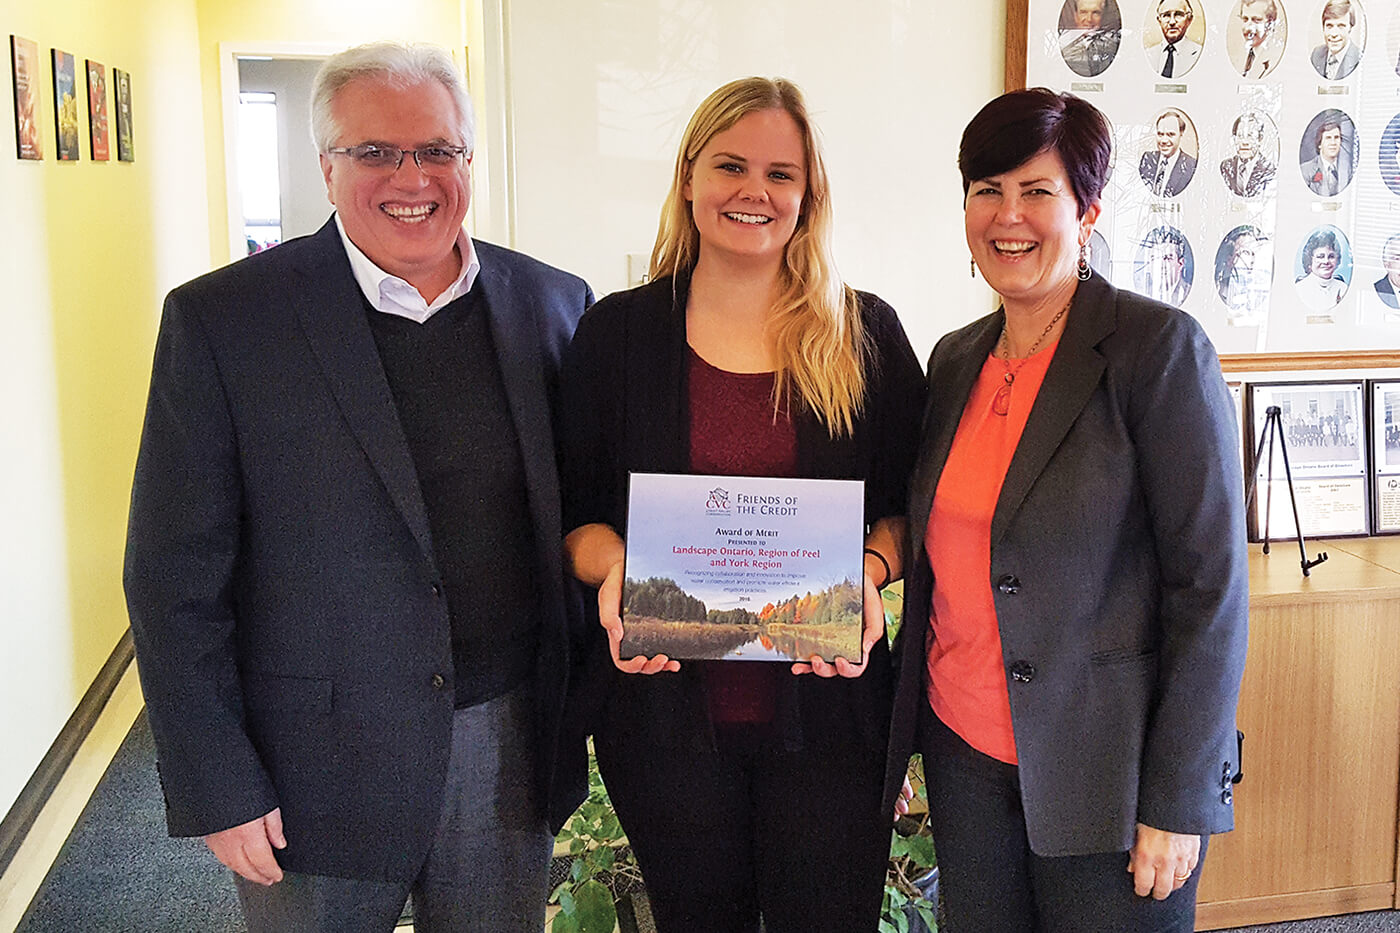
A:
(1256, 170)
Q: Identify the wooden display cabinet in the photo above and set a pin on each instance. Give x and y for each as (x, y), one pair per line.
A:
(1317, 816)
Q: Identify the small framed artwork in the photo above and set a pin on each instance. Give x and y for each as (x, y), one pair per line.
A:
(126, 149)
(1385, 457)
(65, 106)
(24, 56)
(1322, 426)
(97, 111)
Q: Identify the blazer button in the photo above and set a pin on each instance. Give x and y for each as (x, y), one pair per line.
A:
(1009, 585)
(437, 590)
(1227, 796)
(1023, 672)
(438, 682)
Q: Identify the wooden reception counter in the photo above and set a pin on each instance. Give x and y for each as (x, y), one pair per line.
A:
(1317, 817)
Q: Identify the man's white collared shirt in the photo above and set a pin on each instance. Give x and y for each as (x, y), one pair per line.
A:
(392, 295)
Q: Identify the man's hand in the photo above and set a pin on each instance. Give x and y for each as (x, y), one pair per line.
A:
(247, 849)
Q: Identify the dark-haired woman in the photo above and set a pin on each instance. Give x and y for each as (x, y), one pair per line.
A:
(1079, 556)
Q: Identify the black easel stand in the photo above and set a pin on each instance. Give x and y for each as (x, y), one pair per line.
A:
(1273, 428)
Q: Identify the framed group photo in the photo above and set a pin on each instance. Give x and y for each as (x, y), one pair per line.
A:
(1323, 427)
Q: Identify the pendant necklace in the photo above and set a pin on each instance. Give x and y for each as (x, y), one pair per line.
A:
(1001, 402)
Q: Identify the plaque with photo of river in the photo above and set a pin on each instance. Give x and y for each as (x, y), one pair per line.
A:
(742, 568)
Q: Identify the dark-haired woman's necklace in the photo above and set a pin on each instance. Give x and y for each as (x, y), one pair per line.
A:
(1001, 402)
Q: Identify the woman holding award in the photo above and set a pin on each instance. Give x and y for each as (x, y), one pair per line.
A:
(1079, 564)
(743, 788)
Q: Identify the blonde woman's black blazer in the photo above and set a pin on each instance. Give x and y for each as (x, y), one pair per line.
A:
(623, 398)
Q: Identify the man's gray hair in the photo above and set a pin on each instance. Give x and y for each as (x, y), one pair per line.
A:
(397, 64)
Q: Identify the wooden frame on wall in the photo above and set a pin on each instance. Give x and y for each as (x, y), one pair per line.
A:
(1015, 77)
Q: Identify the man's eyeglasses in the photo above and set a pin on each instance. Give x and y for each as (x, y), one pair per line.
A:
(431, 160)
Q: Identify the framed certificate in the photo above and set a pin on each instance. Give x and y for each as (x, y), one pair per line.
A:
(1322, 424)
(743, 568)
(1385, 457)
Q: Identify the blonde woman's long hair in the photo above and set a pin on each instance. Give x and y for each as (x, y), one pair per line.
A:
(815, 324)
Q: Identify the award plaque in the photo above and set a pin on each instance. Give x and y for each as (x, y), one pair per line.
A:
(1385, 456)
(743, 568)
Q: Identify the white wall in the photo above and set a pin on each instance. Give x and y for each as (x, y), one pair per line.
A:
(602, 89)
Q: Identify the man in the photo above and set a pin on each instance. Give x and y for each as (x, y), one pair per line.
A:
(1089, 48)
(1263, 38)
(1329, 172)
(1386, 286)
(1178, 52)
(1338, 56)
(1168, 170)
(1248, 173)
(1162, 275)
(343, 564)
(1241, 286)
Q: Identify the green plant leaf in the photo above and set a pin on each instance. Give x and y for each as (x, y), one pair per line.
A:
(920, 849)
(564, 923)
(596, 911)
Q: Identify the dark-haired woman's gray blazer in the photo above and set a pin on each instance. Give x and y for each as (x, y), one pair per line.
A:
(1118, 572)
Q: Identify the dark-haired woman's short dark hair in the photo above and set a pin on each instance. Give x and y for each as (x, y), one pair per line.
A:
(1020, 125)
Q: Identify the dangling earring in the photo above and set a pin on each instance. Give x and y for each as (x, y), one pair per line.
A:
(972, 267)
(1084, 270)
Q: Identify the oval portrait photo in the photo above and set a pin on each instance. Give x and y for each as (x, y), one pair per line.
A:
(1389, 154)
(1255, 36)
(1243, 274)
(1172, 36)
(1339, 38)
(1169, 161)
(1164, 268)
(1327, 153)
(1249, 169)
(1089, 34)
(1322, 269)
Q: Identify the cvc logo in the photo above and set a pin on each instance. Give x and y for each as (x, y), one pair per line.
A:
(718, 500)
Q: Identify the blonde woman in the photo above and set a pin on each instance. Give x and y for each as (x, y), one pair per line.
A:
(744, 789)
